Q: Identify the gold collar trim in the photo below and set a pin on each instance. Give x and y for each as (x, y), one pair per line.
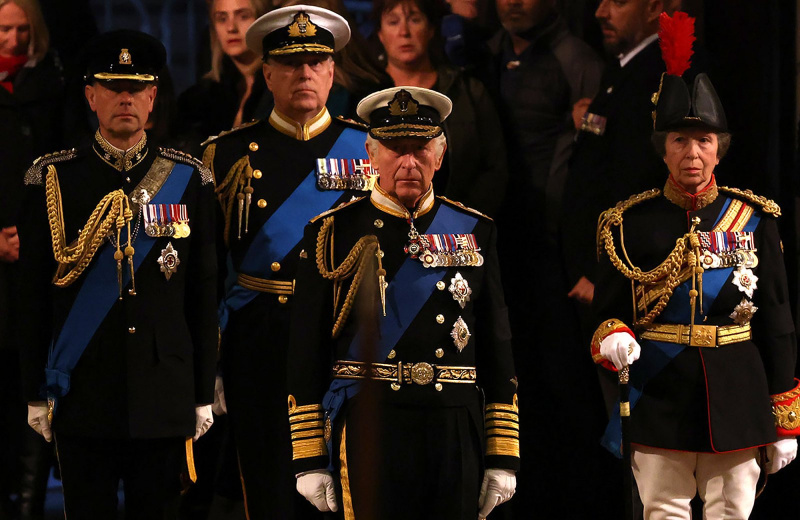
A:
(120, 160)
(388, 204)
(315, 126)
(688, 201)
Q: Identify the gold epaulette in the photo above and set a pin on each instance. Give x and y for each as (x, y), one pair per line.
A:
(767, 206)
(352, 122)
(613, 216)
(337, 208)
(34, 174)
(502, 428)
(213, 138)
(309, 431)
(462, 206)
(182, 157)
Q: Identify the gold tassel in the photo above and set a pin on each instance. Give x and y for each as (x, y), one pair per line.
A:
(381, 278)
(118, 256)
(129, 253)
(240, 197)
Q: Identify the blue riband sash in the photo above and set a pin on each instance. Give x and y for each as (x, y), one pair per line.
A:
(407, 293)
(99, 292)
(284, 229)
(658, 354)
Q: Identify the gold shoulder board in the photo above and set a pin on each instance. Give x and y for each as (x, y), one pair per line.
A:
(462, 206)
(213, 138)
(34, 173)
(337, 208)
(767, 206)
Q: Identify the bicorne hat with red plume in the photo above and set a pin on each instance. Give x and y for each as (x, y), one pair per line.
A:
(677, 106)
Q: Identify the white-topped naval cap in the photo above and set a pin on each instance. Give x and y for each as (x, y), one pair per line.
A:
(298, 28)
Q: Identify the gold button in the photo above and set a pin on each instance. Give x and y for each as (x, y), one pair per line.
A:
(440, 285)
(283, 298)
(257, 174)
(262, 203)
(132, 330)
(392, 354)
(438, 387)
(439, 352)
(275, 266)
(381, 253)
(253, 147)
(440, 319)
(378, 223)
(395, 386)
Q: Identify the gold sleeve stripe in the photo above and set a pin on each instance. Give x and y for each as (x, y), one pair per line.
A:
(502, 446)
(503, 433)
(306, 417)
(502, 424)
(501, 407)
(306, 434)
(306, 425)
(502, 415)
(307, 408)
(306, 448)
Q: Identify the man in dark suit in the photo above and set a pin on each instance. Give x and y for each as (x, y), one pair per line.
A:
(118, 260)
(402, 291)
(273, 176)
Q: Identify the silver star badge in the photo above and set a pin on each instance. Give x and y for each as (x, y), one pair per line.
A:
(460, 334)
(169, 261)
(460, 289)
(743, 313)
(745, 280)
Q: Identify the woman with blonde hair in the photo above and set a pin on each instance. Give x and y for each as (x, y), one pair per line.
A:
(233, 91)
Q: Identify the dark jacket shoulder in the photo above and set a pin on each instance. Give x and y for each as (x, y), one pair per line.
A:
(34, 174)
(206, 176)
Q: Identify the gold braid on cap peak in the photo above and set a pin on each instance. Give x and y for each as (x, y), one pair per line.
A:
(667, 273)
(114, 210)
(353, 266)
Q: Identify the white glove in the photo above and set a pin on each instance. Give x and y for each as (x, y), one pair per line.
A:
(317, 487)
(219, 407)
(203, 420)
(37, 419)
(621, 349)
(780, 454)
(498, 487)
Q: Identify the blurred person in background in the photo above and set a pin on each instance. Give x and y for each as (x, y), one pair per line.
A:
(233, 91)
(31, 87)
(474, 169)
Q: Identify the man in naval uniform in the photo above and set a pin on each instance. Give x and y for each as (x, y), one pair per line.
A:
(399, 294)
(273, 176)
(118, 259)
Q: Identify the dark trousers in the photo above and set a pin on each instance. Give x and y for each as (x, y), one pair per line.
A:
(411, 462)
(91, 470)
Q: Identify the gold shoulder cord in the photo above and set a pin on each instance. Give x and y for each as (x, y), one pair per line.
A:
(113, 210)
(685, 252)
(236, 185)
(767, 205)
(352, 266)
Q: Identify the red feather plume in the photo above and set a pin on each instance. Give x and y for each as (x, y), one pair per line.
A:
(676, 37)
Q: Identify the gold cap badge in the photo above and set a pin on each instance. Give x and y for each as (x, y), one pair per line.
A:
(403, 104)
(125, 57)
(302, 26)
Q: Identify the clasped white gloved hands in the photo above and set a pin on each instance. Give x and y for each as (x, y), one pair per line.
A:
(203, 420)
(38, 420)
(621, 349)
(498, 486)
(219, 407)
(781, 453)
(317, 487)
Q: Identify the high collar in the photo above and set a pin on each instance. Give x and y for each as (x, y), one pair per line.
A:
(120, 160)
(688, 201)
(315, 126)
(388, 204)
(624, 59)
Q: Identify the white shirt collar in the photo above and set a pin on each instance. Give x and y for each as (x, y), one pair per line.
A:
(625, 58)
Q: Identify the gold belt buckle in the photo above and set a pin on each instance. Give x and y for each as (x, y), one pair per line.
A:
(703, 336)
(422, 373)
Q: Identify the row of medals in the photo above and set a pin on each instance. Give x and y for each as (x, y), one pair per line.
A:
(178, 229)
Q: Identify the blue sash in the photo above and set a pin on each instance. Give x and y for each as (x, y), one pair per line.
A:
(407, 293)
(99, 292)
(659, 354)
(284, 229)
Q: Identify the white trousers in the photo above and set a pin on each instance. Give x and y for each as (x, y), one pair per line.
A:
(668, 480)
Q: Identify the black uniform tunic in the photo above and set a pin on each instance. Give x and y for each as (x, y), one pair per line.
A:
(256, 337)
(706, 399)
(412, 452)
